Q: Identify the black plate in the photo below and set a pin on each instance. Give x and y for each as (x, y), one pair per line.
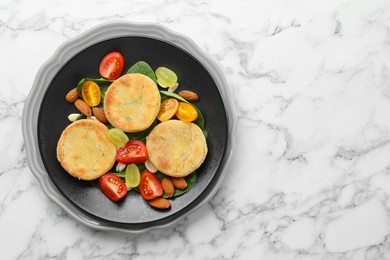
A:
(52, 120)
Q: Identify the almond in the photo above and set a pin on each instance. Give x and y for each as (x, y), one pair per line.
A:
(72, 96)
(99, 114)
(188, 95)
(150, 167)
(160, 203)
(73, 117)
(168, 187)
(120, 167)
(83, 107)
(179, 182)
(173, 88)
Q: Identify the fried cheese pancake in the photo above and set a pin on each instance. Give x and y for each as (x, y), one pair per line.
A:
(84, 150)
(132, 102)
(176, 148)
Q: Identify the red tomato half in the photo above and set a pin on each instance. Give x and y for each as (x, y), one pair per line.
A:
(112, 186)
(134, 151)
(112, 65)
(150, 186)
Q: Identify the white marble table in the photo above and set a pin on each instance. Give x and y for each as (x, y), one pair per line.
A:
(311, 175)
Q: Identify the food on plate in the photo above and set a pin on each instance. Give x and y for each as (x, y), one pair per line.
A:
(73, 117)
(84, 150)
(117, 137)
(90, 92)
(112, 186)
(168, 109)
(143, 68)
(83, 107)
(188, 95)
(132, 102)
(166, 78)
(176, 148)
(150, 167)
(186, 112)
(168, 187)
(160, 203)
(72, 96)
(122, 114)
(179, 183)
(132, 176)
(150, 186)
(99, 114)
(133, 151)
(111, 66)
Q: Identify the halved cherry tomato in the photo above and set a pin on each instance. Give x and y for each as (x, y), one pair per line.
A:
(167, 109)
(112, 65)
(112, 186)
(90, 92)
(186, 112)
(134, 151)
(150, 186)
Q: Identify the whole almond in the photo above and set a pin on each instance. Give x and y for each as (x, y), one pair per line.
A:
(160, 203)
(72, 96)
(83, 107)
(73, 117)
(179, 182)
(99, 114)
(188, 95)
(168, 187)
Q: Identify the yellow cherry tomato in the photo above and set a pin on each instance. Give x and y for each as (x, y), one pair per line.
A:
(90, 92)
(186, 112)
(167, 109)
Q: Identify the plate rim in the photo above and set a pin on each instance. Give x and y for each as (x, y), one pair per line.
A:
(67, 51)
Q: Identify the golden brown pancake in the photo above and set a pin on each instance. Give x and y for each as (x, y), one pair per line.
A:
(84, 150)
(176, 148)
(132, 102)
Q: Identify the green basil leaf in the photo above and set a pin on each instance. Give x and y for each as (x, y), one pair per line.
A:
(120, 174)
(141, 167)
(143, 68)
(199, 121)
(172, 94)
(81, 116)
(109, 126)
(103, 90)
(142, 134)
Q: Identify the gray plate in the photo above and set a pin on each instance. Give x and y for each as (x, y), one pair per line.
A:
(40, 152)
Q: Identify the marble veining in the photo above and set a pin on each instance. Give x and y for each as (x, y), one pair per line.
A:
(311, 175)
